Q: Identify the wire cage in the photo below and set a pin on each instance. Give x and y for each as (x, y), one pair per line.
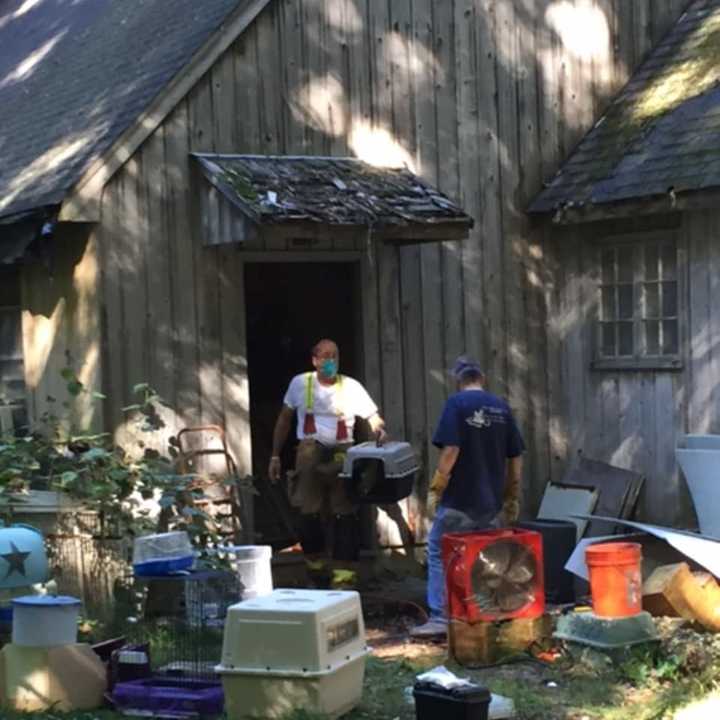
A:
(181, 620)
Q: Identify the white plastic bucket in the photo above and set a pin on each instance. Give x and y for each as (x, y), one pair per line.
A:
(252, 564)
(45, 620)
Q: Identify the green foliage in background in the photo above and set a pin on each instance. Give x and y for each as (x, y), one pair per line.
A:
(98, 474)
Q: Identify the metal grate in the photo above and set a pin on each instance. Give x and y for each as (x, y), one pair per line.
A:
(182, 621)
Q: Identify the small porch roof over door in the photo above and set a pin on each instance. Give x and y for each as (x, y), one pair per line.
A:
(307, 193)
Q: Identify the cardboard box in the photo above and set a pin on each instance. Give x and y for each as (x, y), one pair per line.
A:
(485, 643)
(64, 678)
(674, 589)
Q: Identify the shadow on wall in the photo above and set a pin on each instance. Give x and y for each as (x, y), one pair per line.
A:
(482, 98)
(60, 308)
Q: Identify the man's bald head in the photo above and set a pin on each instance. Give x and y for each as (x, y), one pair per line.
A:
(325, 348)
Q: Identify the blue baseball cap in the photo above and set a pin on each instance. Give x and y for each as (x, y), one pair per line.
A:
(466, 366)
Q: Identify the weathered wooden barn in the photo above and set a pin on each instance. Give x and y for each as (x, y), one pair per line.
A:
(132, 261)
(634, 308)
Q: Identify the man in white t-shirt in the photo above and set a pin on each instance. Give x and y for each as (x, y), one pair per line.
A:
(326, 404)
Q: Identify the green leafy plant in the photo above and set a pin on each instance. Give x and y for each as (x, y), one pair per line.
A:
(645, 664)
(113, 482)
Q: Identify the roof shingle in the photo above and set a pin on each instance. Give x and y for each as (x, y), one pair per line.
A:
(331, 191)
(74, 75)
(662, 132)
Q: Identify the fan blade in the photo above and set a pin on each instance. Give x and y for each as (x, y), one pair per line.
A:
(503, 576)
(494, 560)
(523, 568)
(486, 602)
(511, 597)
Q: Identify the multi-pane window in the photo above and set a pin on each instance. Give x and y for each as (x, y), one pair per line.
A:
(12, 379)
(639, 301)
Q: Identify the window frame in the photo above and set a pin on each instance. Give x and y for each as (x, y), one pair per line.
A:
(18, 407)
(638, 362)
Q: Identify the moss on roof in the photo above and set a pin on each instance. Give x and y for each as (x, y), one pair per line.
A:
(337, 191)
(673, 85)
(241, 183)
(662, 125)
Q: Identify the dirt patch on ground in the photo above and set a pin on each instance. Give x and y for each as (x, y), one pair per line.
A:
(404, 648)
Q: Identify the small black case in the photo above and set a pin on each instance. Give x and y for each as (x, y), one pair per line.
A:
(467, 702)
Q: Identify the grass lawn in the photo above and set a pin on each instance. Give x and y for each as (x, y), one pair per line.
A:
(584, 685)
(590, 694)
(633, 689)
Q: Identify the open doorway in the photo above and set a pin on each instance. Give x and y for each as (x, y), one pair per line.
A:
(290, 306)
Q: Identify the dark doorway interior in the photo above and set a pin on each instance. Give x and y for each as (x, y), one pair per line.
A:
(290, 306)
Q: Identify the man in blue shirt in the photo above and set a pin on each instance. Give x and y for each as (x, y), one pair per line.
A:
(477, 481)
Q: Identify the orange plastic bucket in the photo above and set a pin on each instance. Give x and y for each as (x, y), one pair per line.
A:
(615, 579)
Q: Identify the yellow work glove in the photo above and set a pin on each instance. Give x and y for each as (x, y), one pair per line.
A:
(437, 487)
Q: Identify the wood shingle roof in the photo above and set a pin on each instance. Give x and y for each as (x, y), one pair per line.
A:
(331, 191)
(661, 135)
(75, 75)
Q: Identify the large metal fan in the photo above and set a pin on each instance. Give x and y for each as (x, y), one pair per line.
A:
(503, 577)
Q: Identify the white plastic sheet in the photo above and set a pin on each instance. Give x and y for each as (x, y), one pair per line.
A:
(441, 676)
(703, 550)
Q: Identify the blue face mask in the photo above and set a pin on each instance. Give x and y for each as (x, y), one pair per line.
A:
(329, 368)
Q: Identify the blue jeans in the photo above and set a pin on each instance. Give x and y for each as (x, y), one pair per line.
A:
(446, 521)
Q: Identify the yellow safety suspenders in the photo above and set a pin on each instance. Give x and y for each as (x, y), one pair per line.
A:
(309, 427)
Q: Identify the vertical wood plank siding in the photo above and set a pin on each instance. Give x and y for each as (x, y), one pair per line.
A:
(484, 98)
(635, 418)
(61, 323)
